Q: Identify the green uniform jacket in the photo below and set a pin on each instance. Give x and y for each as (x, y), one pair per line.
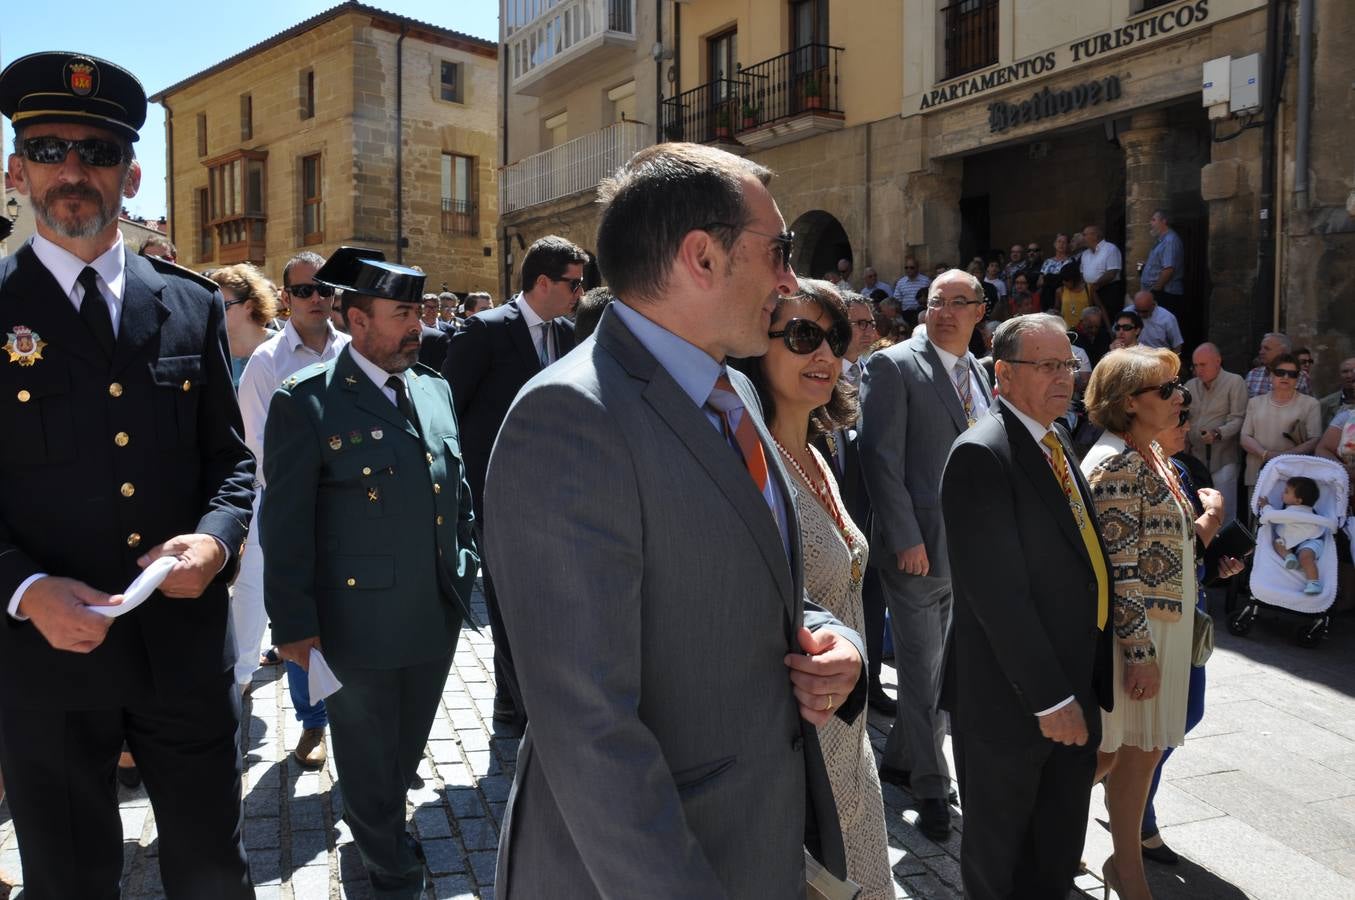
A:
(366, 527)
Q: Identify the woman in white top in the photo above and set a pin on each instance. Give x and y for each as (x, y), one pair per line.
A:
(1282, 421)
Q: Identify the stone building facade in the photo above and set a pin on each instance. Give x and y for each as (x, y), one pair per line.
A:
(354, 127)
(946, 130)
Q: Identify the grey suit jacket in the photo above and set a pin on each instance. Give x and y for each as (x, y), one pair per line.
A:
(910, 415)
(650, 604)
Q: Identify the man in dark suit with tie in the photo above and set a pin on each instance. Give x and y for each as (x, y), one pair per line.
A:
(369, 555)
(1028, 661)
(123, 445)
(488, 362)
(916, 398)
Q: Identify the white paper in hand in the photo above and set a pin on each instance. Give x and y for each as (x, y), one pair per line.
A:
(320, 677)
(140, 590)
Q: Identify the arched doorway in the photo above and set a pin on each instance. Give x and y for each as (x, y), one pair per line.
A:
(820, 241)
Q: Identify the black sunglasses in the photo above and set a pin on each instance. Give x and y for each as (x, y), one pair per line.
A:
(49, 150)
(304, 291)
(803, 337)
(1127, 327)
(785, 240)
(1285, 373)
(1165, 391)
(574, 283)
(230, 303)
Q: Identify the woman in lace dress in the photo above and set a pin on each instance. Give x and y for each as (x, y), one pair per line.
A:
(799, 384)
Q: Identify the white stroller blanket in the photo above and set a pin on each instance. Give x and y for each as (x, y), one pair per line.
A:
(1271, 582)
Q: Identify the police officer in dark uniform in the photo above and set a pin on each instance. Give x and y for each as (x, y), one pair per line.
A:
(369, 549)
(122, 445)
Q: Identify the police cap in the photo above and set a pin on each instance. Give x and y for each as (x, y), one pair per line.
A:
(366, 272)
(60, 86)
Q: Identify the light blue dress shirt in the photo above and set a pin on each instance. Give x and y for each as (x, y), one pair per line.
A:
(1168, 252)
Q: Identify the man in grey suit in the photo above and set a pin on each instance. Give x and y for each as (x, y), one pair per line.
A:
(674, 670)
(916, 398)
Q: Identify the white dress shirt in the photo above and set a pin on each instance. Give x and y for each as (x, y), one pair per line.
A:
(380, 376)
(66, 268)
(1038, 431)
(538, 328)
(1105, 258)
(950, 361)
(280, 356)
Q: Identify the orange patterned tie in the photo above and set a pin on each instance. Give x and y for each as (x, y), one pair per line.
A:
(724, 401)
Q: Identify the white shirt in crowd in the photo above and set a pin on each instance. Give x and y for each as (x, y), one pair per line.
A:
(949, 361)
(912, 292)
(1104, 258)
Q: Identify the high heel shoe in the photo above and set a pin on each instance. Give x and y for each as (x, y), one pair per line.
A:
(1110, 879)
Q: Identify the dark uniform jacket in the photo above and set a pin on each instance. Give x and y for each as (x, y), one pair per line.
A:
(99, 463)
(366, 525)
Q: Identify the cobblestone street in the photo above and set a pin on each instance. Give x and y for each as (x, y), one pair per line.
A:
(1260, 803)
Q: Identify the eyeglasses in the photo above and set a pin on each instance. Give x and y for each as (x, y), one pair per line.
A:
(863, 324)
(785, 240)
(1048, 367)
(574, 283)
(304, 291)
(230, 303)
(50, 151)
(1125, 327)
(1032, 249)
(803, 337)
(953, 306)
(1285, 373)
(1165, 391)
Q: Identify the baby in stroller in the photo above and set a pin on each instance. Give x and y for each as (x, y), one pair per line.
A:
(1300, 543)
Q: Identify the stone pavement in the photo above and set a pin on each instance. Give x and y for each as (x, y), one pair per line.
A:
(1260, 803)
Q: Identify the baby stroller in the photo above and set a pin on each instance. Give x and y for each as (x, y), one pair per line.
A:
(1272, 585)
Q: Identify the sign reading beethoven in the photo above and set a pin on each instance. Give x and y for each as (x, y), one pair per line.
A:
(1047, 104)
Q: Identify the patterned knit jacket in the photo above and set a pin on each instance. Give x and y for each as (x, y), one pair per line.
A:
(1143, 525)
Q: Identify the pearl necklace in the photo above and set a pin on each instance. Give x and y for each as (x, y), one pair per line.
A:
(829, 504)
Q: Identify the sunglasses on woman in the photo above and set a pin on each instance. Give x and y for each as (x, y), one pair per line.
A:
(803, 337)
(304, 291)
(1165, 390)
(230, 303)
(1126, 326)
(1285, 373)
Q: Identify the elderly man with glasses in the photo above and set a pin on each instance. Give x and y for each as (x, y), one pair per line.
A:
(916, 398)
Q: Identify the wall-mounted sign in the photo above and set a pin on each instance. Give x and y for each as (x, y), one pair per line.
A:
(1147, 29)
(1047, 104)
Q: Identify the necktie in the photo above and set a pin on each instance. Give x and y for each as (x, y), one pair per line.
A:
(94, 310)
(1059, 464)
(724, 401)
(543, 351)
(960, 376)
(397, 384)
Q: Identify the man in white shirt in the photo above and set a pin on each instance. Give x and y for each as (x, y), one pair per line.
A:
(1216, 415)
(306, 339)
(1101, 264)
(911, 290)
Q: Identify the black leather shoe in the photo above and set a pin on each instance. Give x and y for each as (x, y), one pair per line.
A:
(129, 776)
(933, 819)
(880, 701)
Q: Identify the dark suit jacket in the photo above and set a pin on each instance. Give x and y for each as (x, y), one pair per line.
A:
(433, 347)
(64, 481)
(366, 525)
(1024, 634)
(851, 481)
(488, 362)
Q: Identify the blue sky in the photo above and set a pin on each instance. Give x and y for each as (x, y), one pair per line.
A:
(162, 44)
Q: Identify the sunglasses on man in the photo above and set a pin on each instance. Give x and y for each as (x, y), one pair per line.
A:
(50, 151)
(803, 336)
(785, 241)
(304, 291)
(574, 283)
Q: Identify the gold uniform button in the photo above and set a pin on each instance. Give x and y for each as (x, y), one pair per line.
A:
(122, 439)
(439, 520)
(188, 386)
(115, 390)
(366, 470)
(429, 457)
(127, 489)
(24, 396)
(352, 582)
(133, 540)
(437, 488)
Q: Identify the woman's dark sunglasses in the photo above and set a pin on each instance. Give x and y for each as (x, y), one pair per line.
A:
(1126, 326)
(51, 151)
(1285, 373)
(304, 291)
(1165, 391)
(230, 303)
(803, 337)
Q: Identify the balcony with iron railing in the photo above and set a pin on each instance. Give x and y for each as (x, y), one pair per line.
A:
(971, 36)
(566, 38)
(707, 113)
(571, 168)
(460, 218)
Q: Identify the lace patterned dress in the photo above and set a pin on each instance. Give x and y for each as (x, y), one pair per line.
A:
(846, 748)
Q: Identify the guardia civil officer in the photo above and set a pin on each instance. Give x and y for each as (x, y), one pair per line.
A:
(369, 553)
(122, 445)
